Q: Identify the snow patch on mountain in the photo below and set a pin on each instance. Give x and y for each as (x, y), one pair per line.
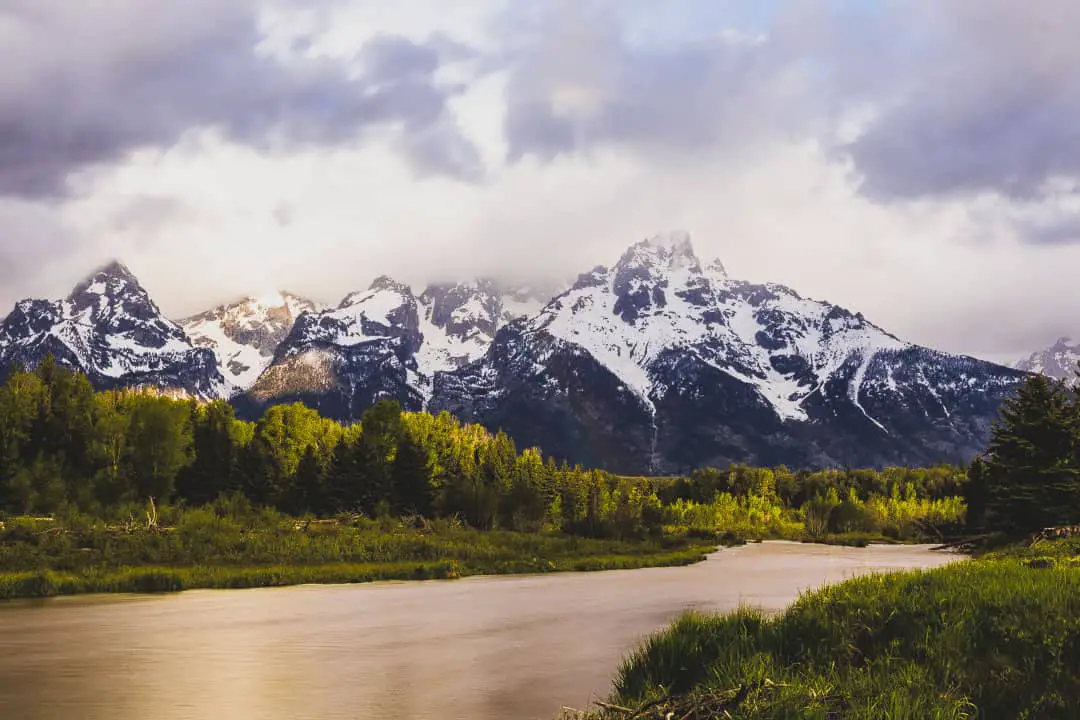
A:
(1057, 361)
(658, 298)
(245, 335)
(110, 329)
(447, 326)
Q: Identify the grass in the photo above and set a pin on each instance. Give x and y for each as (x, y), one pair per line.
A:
(995, 638)
(203, 549)
(49, 583)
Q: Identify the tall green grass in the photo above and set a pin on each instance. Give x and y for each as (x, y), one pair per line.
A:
(48, 583)
(983, 639)
(202, 548)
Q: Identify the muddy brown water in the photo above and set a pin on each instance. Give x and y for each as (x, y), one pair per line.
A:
(477, 648)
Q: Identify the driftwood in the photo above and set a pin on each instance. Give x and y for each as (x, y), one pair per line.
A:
(694, 705)
(1055, 533)
(305, 524)
(962, 543)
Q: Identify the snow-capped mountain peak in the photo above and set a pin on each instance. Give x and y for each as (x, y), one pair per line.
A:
(675, 242)
(245, 334)
(1057, 361)
(112, 293)
(716, 270)
(109, 328)
(388, 342)
(661, 252)
(657, 301)
(658, 364)
(386, 308)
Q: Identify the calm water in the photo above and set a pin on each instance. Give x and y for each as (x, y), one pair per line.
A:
(508, 647)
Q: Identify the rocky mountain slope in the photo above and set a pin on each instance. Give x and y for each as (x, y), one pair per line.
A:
(385, 342)
(110, 329)
(660, 364)
(245, 335)
(1057, 361)
(655, 365)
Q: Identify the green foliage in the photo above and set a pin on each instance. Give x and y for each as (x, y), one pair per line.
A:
(231, 543)
(64, 449)
(1030, 476)
(976, 639)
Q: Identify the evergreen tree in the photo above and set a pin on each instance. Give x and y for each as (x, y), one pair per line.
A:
(412, 477)
(1030, 472)
(213, 470)
(306, 493)
(380, 430)
(976, 495)
(343, 479)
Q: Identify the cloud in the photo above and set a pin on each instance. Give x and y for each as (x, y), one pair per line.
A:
(579, 82)
(960, 97)
(913, 161)
(32, 236)
(987, 101)
(82, 86)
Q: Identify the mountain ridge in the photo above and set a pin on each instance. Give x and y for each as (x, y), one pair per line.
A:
(657, 363)
(1059, 361)
(665, 342)
(109, 328)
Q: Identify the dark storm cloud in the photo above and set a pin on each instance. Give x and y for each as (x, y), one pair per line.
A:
(991, 102)
(81, 86)
(1058, 231)
(969, 97)
(577, 84)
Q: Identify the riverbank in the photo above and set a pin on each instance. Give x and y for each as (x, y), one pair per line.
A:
(242, 547)
(996, 637)
(151, 579)
(44, 557)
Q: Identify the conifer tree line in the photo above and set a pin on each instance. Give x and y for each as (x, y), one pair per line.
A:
(63, 445)
(1029, 477)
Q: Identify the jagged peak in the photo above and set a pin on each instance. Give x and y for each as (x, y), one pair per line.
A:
(381, 284)
(113, 268)
(385, 282)
(113, 279)
(268, 299)
(662, 250)
(717, 269)
(477, 285)
(673, 241)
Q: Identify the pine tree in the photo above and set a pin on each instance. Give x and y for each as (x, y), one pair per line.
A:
(976, 494)
(1030, 472)
(213, 470)
(380, 430)
(411, 477)
(306, 493)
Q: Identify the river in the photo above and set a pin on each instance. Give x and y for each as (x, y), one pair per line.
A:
(478, 648)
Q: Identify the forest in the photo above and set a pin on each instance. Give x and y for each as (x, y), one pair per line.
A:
(64, 447)
(135, 489)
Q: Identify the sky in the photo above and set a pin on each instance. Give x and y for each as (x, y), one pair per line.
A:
(914, 160)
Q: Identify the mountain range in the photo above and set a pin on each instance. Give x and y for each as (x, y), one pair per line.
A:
(1057, 361)
(657, 364)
